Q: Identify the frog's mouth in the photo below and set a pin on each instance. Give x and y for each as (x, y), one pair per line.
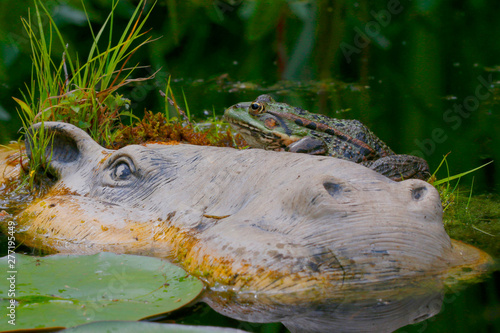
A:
(256, 137)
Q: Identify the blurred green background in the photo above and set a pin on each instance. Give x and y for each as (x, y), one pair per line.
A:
(421, 74)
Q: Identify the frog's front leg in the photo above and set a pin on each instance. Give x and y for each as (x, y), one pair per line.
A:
(308, 145)
(401, 167)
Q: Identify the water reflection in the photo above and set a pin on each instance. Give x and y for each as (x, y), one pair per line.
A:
(381, 308)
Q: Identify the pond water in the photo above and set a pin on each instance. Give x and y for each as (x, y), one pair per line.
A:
(422, 74)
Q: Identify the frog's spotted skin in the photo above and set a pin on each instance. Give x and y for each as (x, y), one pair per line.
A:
(267, 124)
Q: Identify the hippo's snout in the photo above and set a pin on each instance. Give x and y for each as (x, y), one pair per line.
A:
(332, 188)
(367, 223)
(419, 193)
(424, 203)
(420, 190)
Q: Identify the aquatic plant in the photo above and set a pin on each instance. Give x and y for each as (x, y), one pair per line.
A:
(473, 219)
(81, 93)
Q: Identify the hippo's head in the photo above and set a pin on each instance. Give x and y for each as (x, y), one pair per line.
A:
(253, 221)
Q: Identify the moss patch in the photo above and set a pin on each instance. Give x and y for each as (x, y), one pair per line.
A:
(475, 221)
(155, 127)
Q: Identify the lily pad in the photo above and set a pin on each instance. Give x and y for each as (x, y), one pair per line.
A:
(69, 290)
(144, 327)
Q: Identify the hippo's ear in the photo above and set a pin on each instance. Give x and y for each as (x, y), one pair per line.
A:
(67, 147)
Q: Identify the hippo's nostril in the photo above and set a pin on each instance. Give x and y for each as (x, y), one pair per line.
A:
(332, 188)
(418, 193)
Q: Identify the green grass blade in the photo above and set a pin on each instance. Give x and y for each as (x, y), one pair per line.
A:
(441, 181)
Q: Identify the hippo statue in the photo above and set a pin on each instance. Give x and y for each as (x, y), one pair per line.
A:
(279, 228)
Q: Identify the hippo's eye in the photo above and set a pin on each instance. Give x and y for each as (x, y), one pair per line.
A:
(256, 108)
(122, 171)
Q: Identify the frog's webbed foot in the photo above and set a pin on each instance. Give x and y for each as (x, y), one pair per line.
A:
(308, 145)
(401, 167)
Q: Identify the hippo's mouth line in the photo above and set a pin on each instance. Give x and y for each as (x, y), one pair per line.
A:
(76, 196)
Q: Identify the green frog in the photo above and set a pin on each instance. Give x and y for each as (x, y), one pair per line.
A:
(265, 123)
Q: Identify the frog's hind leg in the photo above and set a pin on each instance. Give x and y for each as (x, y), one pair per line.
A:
(401, 167)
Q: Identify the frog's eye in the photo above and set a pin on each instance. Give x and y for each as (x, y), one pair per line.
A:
(256, 108)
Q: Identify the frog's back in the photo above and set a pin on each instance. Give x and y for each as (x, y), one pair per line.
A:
(345, 137)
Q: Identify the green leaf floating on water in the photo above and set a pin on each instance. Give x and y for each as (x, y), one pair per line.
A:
(69, 290)
(134, 326)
